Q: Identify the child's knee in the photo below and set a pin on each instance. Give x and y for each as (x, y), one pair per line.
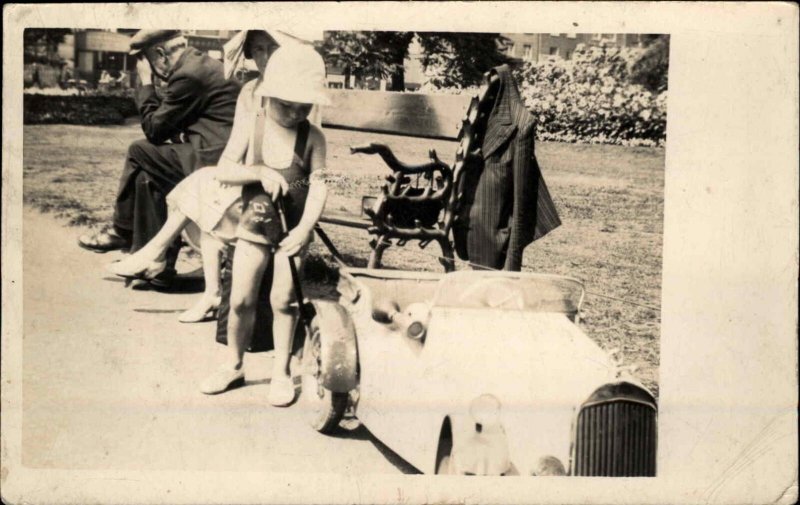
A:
(242, 304)
(281, 300)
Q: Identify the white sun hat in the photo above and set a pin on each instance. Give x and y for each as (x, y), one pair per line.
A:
(295, 73)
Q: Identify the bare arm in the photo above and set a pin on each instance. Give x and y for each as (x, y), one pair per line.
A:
(315, 201)
(317, 191)
(231, 168)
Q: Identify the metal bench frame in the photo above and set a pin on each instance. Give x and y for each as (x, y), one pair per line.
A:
(420, 202)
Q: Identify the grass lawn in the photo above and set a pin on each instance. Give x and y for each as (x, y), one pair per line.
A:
(610, 198)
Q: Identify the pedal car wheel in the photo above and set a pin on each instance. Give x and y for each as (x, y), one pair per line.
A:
(325, 408)
(443, 467)
(443, 459)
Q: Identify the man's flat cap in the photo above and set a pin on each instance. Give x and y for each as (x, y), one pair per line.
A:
(146, 38)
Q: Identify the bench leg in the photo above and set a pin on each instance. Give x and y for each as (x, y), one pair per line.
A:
(447, 260)
(381, 244)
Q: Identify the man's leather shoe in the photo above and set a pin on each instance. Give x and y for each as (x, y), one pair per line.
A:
(107, 239)
(164, 279)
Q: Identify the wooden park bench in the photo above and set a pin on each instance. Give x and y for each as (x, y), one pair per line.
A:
(418, 202)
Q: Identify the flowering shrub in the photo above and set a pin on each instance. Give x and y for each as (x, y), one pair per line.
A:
(590, 99)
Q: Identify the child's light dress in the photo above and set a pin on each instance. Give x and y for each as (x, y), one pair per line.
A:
(214, 208)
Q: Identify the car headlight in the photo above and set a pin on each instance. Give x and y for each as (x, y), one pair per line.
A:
(415, 320)
(411, 322)
(485, 452)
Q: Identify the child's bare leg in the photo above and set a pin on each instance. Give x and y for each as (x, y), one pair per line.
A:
(249, 262)
(210, 248)
(284, 320)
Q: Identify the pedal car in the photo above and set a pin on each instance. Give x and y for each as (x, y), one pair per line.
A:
(476, 373)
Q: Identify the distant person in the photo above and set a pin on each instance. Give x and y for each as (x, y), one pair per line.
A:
(35, 74)
(66, 75)
(186, 128)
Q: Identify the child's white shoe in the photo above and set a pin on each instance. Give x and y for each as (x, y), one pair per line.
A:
(222, 380)
(281, 391)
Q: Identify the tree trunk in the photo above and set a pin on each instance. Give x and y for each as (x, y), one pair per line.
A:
(398, 79)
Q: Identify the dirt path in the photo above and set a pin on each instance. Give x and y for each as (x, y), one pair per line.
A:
(111, 380)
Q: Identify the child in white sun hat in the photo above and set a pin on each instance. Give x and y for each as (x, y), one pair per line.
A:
(293, 151)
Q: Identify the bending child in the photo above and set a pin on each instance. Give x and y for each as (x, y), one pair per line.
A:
(286, 142)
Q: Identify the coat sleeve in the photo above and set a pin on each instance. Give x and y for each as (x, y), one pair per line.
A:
(164, 118)
(523, 218)
(534, 213)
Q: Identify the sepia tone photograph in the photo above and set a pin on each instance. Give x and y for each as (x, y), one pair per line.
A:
(363, 254)
(439, 192)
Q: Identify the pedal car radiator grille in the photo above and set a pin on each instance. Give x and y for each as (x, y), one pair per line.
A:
(616, 437)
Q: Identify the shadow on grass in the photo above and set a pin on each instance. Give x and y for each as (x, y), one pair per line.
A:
(323, 268)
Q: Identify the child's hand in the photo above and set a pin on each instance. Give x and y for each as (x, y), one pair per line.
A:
(294, 241)
(273, 182)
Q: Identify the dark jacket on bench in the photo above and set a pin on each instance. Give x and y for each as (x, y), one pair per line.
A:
(510, 204)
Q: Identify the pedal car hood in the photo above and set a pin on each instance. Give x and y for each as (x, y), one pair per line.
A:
(540, 366)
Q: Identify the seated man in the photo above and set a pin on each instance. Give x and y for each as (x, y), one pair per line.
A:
(186, 128)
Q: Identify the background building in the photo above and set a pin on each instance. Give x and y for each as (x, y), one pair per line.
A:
(209, 41)
(535, 46)
(530, 47)
(95, 55)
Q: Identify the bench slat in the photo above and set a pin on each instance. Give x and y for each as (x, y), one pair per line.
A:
(415, 114)
(341, 220)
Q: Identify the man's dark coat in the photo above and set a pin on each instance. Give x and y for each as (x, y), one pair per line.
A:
(195, 113)
(506, 202)
(198, 103)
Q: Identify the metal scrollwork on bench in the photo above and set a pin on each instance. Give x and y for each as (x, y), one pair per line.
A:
(421, 202)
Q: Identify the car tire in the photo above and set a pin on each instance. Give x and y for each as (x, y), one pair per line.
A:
(443, 466)
(325, 407)
(444, 451)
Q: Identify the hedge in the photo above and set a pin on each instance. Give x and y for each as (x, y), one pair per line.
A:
(83, 110)
(589, 99)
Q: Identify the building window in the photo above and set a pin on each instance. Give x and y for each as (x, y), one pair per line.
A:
(527, 52)
(553, 51)
(512, 49)
(568, 54)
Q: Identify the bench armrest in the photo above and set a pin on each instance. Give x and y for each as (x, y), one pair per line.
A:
(396, 165)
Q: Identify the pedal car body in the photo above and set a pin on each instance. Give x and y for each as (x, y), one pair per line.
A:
(472, 372)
